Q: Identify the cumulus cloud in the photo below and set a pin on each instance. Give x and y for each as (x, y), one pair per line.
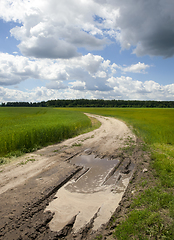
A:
(91, 69)
(89, 76)
(123, 88)
(78, 85)
(148, 25)
(127, 88)
(49, 47)
(145, 25)
(15, 69)
(56, 29)
(136, 68)
(56, 85)
(40, 94)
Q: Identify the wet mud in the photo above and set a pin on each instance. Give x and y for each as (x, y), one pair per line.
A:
(94, 194)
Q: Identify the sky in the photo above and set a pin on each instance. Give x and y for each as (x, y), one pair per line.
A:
(92, 49)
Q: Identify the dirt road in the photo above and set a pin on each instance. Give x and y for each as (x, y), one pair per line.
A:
(28, 186)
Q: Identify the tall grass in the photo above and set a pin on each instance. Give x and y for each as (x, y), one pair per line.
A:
(24, 129)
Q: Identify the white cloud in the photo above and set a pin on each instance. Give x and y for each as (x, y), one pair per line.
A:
(136, 68)
(56, 85)
(86, 76)
(14, 69)
(91, 69)
(127, 88)
(56, 29)
(78, 85)
(40, 94)
(123, 88)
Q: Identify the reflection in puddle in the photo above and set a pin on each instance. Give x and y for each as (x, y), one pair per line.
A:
(92, 179)
(97, 189)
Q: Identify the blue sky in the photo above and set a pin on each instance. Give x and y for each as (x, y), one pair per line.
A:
(95, 49)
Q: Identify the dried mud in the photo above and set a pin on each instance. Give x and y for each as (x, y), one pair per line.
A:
(28, 187)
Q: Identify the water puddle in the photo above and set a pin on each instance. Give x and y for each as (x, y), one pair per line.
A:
(94, 193)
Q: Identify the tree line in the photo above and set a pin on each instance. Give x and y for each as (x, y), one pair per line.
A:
(93, 103)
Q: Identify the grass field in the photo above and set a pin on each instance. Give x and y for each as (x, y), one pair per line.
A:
(25, 129)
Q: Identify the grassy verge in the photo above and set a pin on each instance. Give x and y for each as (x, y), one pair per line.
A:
(26, 129)
(151, 213)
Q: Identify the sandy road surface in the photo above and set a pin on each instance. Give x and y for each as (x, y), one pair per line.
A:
(29, 184)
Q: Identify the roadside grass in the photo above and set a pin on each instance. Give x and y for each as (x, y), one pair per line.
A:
(163, 162)
(144, 225)
(99, 237)
(28, 160)
(151, 214)
(94, 125)
(27, 129)
(77, 145)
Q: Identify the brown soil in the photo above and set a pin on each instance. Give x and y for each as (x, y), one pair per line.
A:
(30, 183)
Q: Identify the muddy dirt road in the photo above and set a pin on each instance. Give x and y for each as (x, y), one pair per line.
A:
(68, 190)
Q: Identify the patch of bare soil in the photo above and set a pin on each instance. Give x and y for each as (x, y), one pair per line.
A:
(30, 184)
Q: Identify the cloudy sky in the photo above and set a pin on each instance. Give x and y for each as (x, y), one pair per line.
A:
(102, 49)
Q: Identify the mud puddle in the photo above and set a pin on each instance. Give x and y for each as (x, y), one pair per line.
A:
(92, 195)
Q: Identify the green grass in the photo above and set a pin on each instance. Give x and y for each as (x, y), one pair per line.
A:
(28, 160)
(151, 214)
(143, 225)
(25, 129)
(99, 237)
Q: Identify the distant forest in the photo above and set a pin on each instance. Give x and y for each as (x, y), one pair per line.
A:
(93, 103)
